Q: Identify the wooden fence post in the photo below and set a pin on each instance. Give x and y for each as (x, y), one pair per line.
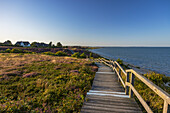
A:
(112, 64)
(166, 108)
(115, 65)
(132, 78)
(127, 87)
(119, 74)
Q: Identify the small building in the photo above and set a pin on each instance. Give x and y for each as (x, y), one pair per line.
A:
(23, 43)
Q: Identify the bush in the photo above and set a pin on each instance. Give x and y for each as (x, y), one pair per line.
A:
(58, 53)
(49, 53)
(1, 51)
(154, 101)
(16, 51)
(61, 53)
(77, 55)
(25, 51)
(91, 56)
(82, 55)
(120, 61)
(7, 50)
(158, 79)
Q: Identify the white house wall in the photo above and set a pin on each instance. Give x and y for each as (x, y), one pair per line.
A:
(22, 44)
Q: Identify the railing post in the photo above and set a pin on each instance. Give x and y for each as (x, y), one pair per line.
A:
(112, 64)
(127, 87)
(166, 108)
(115, 65)
(132, 78)
(119, 74)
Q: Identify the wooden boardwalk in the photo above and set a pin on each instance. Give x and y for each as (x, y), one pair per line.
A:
(107, 95)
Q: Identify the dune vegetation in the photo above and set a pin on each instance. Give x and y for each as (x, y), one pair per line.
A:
(151, 98)
(43, 83)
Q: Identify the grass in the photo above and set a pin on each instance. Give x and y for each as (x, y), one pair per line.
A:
(43, 83)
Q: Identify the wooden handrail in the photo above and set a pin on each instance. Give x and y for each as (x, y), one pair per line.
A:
(147, 108)
(164, 95)
(120, 67)
(130, 84)
(120, 79)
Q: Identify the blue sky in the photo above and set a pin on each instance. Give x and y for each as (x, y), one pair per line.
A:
(87, 22)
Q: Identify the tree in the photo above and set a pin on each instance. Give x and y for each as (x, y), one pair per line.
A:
(59, 44)
(34, 44)
(50, 44)
(8, 42)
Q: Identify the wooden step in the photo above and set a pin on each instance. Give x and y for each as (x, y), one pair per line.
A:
(107, 95)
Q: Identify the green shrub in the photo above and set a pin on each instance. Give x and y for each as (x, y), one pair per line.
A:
(82, 55)
(49, 53)
(158, 79)
(1, 51)
(77, 55)
(14, 50)
(25, 51)
(7, 50)
(120, 61)
(91, 56)
(153, 100)
(61, 53)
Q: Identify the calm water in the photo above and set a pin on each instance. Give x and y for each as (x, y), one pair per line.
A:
(152, 58)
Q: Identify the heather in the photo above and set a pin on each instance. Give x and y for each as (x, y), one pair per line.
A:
(43, 83)
(81, 52)
(7, 49)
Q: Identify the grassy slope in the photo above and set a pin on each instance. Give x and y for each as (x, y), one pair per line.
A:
(42, 83)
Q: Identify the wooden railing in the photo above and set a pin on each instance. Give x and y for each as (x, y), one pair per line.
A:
(128, 84)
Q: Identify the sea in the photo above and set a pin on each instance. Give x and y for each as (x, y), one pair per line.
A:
(151, 58)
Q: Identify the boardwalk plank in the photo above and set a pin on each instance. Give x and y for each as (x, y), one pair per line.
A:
(103, 82)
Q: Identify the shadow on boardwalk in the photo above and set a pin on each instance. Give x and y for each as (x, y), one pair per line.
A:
(107, 95)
